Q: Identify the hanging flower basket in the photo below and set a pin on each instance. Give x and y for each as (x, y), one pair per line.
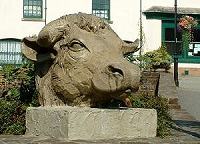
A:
(187, 23)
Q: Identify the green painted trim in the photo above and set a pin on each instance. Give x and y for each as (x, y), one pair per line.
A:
(159, 16)
(166, 16)
(189, 60)
(164, 26)
(184, 58)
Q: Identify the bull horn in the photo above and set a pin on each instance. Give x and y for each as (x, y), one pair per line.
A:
(130, 47)
(52, 32)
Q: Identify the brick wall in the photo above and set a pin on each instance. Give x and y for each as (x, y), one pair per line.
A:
(187, 71)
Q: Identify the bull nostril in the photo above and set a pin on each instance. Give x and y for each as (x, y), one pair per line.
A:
(115, 70)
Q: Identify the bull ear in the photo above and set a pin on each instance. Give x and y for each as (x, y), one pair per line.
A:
(32, 51)
(130, 47)
(29, 48)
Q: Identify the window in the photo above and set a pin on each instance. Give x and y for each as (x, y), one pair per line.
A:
(195, 35)
(168, 37)
(101, 8)
(10, 51)
(32, 8)
(194, 46)
(187, 53)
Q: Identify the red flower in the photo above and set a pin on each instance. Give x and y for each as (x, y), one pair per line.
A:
(187, 22)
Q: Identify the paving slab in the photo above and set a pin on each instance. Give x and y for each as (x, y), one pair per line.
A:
(189, 94)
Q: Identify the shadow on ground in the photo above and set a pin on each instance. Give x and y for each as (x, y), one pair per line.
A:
(185, 126)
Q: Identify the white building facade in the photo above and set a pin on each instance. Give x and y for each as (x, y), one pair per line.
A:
(21, 18)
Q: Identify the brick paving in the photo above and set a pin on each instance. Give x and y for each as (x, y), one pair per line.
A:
(185, 131)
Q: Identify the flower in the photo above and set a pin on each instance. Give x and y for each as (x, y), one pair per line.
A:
(187, 22)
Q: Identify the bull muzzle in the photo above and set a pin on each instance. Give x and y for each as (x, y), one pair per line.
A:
(116, 78)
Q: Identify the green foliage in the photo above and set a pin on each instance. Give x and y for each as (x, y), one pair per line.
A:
(161, 106)
(16, 128)
(156, 59)
(131, 58)
(7, 70)
(17, 95)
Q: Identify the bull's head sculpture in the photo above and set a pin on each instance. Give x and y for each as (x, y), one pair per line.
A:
(79, 60)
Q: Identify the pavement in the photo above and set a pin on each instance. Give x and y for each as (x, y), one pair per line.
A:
(186, 129)
(189, 94)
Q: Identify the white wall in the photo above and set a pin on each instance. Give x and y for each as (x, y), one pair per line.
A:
(11, 14)
(58, 8)
(11, 25)
(152, 33)
(124, 15)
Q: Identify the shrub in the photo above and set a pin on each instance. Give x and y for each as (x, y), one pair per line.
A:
(156, 59)
(7, 71)
(18, 93)
(161, 106)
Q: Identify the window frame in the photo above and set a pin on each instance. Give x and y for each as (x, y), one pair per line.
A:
(103, 7)
(11, 52)
(37, 16)
(169, 24)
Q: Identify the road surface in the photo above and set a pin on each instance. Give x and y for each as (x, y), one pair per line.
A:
(189, 95)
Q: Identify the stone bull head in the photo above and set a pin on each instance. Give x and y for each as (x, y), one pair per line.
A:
(79, 60)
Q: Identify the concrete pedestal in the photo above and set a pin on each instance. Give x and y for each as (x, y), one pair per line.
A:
(76, 123)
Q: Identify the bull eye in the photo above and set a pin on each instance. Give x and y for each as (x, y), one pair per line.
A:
(76, 45)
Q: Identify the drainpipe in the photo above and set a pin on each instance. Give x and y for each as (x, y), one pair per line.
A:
(45, 12)
(175, 49)
(141, 38)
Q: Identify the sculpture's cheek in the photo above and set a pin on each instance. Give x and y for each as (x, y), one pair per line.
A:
(106, 83)
(81, 77)
(63, 85)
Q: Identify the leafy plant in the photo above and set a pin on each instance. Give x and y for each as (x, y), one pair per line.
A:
(17, 95)
(155, 59)
(7, 71)
(161, 106)
(16, 128)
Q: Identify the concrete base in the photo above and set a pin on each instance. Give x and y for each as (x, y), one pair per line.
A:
(76, 123)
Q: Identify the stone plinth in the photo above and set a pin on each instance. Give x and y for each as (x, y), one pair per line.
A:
(76, 123)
